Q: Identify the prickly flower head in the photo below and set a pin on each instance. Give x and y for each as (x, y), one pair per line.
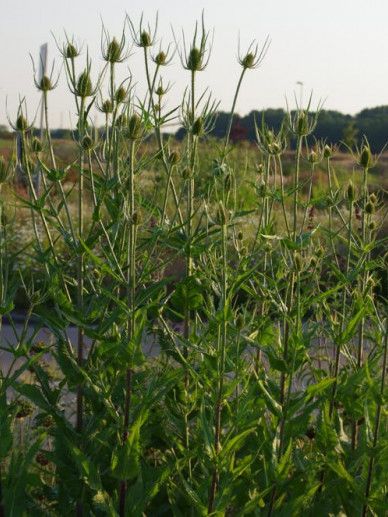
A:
(365, 157)
(21, 123)
(45, 84)
(84, 85)
(71, 51)
(113, 51)
(134, 127)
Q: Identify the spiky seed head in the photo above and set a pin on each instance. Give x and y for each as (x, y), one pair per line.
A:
(248, 61)
(84, 85)
(198, 126)
(327, 151)
(145, 39)
(160, 91)
(302, 124)
(274, 148)
(36, 145)
(113, 51)
(372, 226)
(370, 208)
(365, 158)
(350, 192)
(239, 322)
(107, 106)
(122, 121)
(134, 127)
(161, 58)
(194, 61)
(313, 157)
(71, 51)
(87, 143)
(373, 198)
(120, 95)
(298, 261)
(174, 157)
(45, 84)
(21, 123)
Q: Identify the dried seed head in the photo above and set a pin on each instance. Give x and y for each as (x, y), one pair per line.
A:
(198, 126)
(365, 157)
(145, 39)
(84, 85)
(370, 208)
(71, 52)
(372, 226)
(173, 157)
(36, 145)
(45, 84)
(134, 127)
(120, 95)
(21, 123)
(350, 192)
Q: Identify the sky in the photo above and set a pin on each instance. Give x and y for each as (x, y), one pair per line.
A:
(337, 48)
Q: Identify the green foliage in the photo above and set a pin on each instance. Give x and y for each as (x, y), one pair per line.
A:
(215, 340)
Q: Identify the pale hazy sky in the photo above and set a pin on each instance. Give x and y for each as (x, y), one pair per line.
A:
(338, 48)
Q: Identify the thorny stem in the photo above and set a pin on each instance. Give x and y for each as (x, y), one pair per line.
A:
(377, 423)
(131, 284)
(221, 372)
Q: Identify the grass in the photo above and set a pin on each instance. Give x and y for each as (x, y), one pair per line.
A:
(259, 272)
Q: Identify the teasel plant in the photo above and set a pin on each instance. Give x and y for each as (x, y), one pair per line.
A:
(133, 132)
(144, 36)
